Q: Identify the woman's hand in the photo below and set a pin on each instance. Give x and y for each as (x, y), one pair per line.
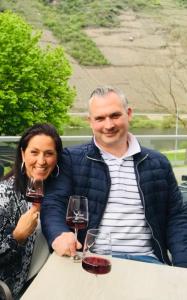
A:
(27, 224)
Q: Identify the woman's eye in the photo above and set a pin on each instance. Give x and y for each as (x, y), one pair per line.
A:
(34, 152)
(49, 154)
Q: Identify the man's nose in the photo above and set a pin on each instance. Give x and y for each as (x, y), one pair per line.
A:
(109, 123)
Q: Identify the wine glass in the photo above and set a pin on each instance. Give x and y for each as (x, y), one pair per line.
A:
(34, 190)
(77, 215)
(97, 252)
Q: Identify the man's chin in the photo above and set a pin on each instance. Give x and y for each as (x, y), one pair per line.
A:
(110, 141)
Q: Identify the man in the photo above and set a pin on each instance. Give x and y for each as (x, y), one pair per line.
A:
(132, 191)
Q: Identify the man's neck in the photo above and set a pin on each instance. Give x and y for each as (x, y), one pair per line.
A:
(129, 147)
(117, 150)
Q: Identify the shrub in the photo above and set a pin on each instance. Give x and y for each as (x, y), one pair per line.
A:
(33, 81)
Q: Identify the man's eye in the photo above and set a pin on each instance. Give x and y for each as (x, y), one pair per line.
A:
(99, 119)
(116, 116)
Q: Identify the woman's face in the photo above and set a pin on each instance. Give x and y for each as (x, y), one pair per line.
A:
(40, 156)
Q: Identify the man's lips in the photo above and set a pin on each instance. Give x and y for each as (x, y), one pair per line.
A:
(110, 133)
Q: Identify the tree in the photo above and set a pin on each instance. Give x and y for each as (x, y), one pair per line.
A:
(33, 81)
(172, 81)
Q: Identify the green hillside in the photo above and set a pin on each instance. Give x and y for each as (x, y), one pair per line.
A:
(68, 18)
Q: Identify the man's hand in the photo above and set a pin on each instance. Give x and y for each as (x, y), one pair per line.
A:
(26, 224)
(64, 244)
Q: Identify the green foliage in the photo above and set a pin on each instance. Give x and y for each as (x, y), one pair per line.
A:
(78, 122)
(170, 122)
(93, 13)
(141, 4)
(182, 2)
(33, 81)
(68, 30)
(143, 122)
(76, 42)
(183, 145)
(179, 155)
(68, 19)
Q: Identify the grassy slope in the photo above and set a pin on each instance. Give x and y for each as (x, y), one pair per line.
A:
(68, 19)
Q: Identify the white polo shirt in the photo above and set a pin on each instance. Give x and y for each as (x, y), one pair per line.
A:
(124, 215)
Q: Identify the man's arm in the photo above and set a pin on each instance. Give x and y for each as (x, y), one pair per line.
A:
(177, 224)
(65, 244)
(53, 211)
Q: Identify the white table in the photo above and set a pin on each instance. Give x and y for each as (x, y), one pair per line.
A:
(62, 279)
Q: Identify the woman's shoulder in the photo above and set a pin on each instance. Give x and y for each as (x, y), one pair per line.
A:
(7, 187)
(7, 183)
(10, 200)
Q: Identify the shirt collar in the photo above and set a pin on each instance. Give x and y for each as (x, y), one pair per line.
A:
(133, 148)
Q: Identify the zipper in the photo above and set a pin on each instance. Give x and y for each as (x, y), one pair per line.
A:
(108, 176)
(142, 196)
(95, 159)
(143, 200)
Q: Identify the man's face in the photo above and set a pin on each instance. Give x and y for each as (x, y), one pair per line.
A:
(109, 120)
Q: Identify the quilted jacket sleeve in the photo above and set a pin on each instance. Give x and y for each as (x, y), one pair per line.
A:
(54, 206)
(177, 225)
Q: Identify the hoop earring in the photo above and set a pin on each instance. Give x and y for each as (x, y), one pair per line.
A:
(23, 168)
(58, 170)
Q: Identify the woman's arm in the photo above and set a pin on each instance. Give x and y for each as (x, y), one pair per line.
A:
(16, 223)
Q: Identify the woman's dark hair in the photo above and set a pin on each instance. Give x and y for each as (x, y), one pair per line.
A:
(37, 129)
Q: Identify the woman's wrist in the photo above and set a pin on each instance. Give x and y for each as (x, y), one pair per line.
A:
(18, 236)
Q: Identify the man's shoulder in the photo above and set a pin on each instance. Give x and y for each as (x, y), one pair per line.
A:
(79, 149)
(154, 155)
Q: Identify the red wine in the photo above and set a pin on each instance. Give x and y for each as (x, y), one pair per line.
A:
(34, 197)
(96, 265)
(79, 223)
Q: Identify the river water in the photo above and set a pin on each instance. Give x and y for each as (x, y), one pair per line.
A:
(161, 143)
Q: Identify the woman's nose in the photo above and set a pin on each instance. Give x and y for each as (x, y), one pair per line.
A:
(41, 159)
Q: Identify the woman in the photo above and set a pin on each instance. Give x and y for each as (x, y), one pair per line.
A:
(38, 155)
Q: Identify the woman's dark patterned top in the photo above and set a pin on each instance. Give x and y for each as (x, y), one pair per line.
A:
(14, 258)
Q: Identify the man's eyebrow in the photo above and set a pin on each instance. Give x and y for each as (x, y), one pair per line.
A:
(116, 113)
(99, 117)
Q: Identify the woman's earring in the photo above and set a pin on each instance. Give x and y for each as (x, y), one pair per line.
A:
(23, 168)
(58, 170)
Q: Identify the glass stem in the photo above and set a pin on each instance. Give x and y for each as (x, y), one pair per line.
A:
(76, 233)
(77, 257)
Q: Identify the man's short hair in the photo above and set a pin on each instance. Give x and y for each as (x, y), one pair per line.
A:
(105, 90)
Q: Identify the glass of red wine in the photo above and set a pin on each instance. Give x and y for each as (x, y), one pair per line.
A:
(34, 190)
(77, 215)
(97, 252)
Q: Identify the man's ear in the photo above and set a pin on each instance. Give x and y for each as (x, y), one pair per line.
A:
(129, 112)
